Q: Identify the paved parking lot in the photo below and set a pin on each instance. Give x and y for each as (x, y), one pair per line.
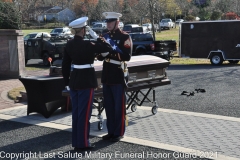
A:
(206, 124)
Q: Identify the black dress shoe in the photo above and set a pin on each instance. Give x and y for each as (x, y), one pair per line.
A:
(200, 90)
(184, 93)
(84, 148)
(116, 138)
(107, 137)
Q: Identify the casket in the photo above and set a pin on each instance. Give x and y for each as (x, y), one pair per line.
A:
(142, 70)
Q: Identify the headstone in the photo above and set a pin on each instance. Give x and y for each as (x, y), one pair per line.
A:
(12, 58)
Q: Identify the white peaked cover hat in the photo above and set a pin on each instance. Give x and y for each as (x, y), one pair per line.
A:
(111, 16)
(79, 23)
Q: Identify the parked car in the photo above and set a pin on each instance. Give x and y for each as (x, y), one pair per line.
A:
(148, 25)
(143, 44)
(120, 24)
(95, 22)
(37, 35)
(99, 25)
(134, 28)
(179, 21)
(166, 23)
(61, 32)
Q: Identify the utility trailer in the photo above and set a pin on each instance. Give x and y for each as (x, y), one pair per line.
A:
(215, 40)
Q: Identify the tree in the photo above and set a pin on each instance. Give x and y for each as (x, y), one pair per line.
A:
(9, 16)
(184, 7)
(215, 15)
(101, 7)
(141, 10)
(190, 18)
(201, 3)
(6, 1)
(223, 5)
(204, 13)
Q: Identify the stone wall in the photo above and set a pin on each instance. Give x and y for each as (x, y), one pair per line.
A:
(12, 58)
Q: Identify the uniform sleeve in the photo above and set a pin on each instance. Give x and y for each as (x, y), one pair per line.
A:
(126, 48)
(100, 46)
(66, 66)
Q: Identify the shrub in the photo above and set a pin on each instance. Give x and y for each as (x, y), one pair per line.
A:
(9, 16)
(190, 18)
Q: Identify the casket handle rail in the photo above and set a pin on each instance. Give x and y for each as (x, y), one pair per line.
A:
(133, 77)
(152, 74)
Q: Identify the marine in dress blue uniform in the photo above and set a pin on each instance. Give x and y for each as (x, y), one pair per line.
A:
(82, 80)
(113, 77)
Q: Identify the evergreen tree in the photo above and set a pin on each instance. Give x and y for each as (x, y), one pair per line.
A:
(9, 16)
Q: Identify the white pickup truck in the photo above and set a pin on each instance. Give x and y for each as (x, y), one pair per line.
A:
(166, 23)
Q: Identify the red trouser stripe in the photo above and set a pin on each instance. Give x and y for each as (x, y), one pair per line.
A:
(86, 121)
(123, 114)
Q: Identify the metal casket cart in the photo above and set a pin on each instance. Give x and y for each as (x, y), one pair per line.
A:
(145, 73)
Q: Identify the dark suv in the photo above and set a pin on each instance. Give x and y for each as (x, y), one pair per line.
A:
(143, 44)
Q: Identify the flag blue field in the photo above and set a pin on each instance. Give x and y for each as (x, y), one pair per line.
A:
(114, 46)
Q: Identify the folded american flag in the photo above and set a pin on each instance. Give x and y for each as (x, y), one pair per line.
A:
(114, 46)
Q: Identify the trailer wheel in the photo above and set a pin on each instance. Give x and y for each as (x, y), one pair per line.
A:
(100, 125)
(216, 59)
(233, 61)
(154, 110)
(45, 59)
(133, 108)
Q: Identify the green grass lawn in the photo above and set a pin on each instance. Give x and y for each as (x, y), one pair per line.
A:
(172, 34)
(27, 31)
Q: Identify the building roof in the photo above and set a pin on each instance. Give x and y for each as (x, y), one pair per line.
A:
(39, 9)
(53, 10)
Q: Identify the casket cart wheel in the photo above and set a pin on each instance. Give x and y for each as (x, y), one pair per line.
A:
(154, 110)
(133, 107)
(100, 125)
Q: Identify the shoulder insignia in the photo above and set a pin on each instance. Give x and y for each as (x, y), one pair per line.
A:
(127, 43)
(92, 43)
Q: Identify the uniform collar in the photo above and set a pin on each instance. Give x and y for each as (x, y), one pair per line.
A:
(77, 37)
(114, 32)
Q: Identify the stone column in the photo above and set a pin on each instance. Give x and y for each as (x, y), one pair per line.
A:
(12, 57)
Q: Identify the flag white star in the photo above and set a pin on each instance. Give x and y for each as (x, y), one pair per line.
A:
(114, 47)
(108, 40)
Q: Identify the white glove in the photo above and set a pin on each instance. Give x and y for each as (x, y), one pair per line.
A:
(92, 33)
(67, 88)
(105, 54)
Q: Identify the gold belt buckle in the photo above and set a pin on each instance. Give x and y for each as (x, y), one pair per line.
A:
(107, 60)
